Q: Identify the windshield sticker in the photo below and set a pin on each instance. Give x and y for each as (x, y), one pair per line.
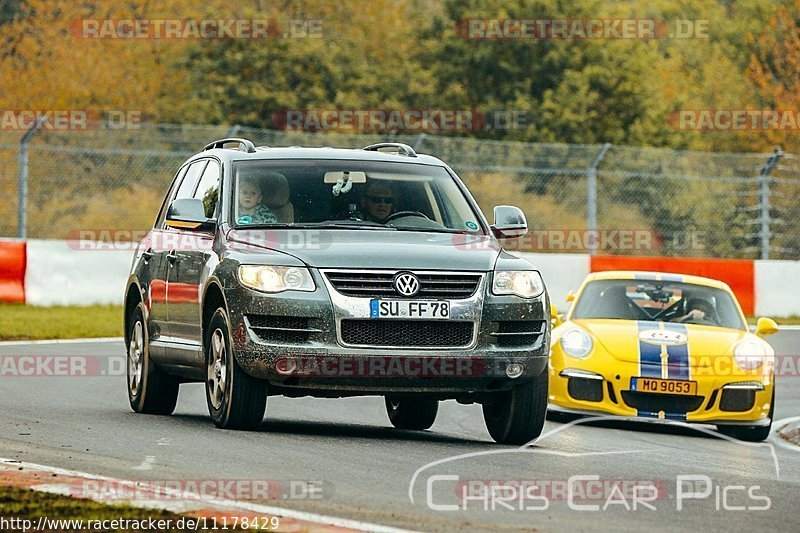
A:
(471, 225)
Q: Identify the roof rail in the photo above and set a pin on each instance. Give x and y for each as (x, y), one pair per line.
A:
(244, 144)
(401, 148)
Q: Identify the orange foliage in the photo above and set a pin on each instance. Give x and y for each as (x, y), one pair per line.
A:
(774, 71)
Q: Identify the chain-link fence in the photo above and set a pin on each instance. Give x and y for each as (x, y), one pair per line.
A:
(577, 198)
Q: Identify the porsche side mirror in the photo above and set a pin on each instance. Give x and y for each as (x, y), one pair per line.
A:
(555, 318)
(766, 326)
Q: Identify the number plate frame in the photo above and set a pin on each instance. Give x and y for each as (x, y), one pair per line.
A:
(409, 309)
(678, 387)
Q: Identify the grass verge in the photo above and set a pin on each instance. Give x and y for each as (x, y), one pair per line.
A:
(26, 504)
(27, 322)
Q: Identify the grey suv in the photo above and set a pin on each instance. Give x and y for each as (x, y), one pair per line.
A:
(330, 273)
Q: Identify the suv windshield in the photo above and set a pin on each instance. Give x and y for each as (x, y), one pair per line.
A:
(662, 301)
(382, 195)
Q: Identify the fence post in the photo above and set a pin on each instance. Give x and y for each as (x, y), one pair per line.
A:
(763, 201)
(591, 196)
(22, 206)
(419, 141)
(234, 131)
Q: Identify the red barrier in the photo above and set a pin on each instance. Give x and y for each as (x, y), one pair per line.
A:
(12, 271)
(739, 274)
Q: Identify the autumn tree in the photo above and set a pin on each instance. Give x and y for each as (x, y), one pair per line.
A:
(774, 70)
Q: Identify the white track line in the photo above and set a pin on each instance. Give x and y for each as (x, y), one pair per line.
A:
(63, 341)
(231, 504)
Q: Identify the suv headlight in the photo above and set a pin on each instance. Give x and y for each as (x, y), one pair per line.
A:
(576, 343)
(523, 283)
(749, 354)
(276, 279)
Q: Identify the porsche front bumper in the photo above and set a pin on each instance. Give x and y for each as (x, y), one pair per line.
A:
(743, 399)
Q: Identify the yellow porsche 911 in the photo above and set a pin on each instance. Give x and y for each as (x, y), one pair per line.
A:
(663, 346)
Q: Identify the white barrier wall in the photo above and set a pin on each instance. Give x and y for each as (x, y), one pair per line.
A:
(58, 273)
(777, 288)
(562, 273)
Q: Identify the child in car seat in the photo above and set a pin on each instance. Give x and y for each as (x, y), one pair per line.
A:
(250, 209)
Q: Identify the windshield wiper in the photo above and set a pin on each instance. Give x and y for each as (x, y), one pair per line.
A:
(436, 230)
(315, 225)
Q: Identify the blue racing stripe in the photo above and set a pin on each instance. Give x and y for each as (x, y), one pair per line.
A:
(678, 361)
(649, 354)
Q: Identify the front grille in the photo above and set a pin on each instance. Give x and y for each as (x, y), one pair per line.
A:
(669, 403)
(380, 284)
(737, 400)
(515, 333)
(406, 333)
(590, 390)
(281, 329)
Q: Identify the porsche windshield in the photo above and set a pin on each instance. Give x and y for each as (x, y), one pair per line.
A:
(344, 193)
(631, 299)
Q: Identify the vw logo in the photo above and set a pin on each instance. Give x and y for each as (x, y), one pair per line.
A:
(406, 284)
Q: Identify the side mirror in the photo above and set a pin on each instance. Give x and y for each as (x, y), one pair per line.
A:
(189, 213)
(766, 326)
(509, 222)
(571, 296)
(555, 318)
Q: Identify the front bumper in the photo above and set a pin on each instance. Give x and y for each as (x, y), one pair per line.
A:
(741, 398)
(294, 340)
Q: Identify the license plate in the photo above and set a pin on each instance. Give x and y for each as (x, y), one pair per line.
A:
(664, 386)
(422, 309)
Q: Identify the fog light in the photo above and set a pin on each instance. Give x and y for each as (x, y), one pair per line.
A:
(285, 366)
(514, 370)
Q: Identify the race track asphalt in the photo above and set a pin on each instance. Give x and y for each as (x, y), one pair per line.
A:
(365, 467)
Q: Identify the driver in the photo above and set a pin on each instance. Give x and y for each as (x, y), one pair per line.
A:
(378, 201)
(698, 309)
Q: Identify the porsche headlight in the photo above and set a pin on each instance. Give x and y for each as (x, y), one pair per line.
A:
(523, 283)
(749, 354)
(276, 279)
(576, 343)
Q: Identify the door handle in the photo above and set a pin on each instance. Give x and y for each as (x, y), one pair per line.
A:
(172, 256)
